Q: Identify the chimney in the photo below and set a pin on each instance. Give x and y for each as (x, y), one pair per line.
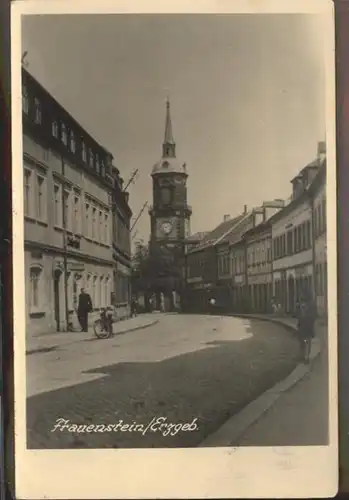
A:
(245, 209)
(226, 217)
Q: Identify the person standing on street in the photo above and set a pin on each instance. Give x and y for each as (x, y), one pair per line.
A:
(212, 305)
(84, 307)
(306, 326)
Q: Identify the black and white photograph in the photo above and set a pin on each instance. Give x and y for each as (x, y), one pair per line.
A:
(174, 249)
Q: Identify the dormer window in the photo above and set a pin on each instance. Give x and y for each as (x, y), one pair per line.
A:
(83, 151)
(97, 165)
(64, 135)
(55, 129)
(38, 115)
(72, 142)
(91, 159)
(25, 100)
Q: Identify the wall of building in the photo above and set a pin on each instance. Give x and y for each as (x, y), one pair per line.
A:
(320, 250)
(44, 244)
(293, 254)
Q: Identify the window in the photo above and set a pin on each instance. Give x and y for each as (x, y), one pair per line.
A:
(55, 129)
(106, 229)
(28, 195)
(107, 291)
(64, 135)
(102, 291)
(38, 116)
(76, 215)
(72, 142)
(100, 227)
(91, 158)
(289, 242)
(35, 289)
(97, 165)
(83, 151)
(95, 294)
(57, 214)
(41, 198)
(25, 100)
(67, 210)
(94, 223)
(88, 228)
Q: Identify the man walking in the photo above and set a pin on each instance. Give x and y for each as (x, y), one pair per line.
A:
(306, 326)
(84, 307)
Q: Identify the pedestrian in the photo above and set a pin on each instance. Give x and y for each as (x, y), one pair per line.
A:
(134, 307)
(84, 308)
(275, 306)
(306, 316)
(212, 305)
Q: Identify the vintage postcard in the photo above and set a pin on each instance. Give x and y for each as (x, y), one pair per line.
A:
(174, 215)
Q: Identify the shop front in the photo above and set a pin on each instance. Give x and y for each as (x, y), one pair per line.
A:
(260, 292)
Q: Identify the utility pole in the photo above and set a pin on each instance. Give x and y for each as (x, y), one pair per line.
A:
(65, 258)
(132, 179)
(138, 216)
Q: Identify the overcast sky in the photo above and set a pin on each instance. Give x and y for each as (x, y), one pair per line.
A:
(246, 91)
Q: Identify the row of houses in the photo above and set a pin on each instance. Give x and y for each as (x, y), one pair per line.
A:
(275, 250)
(76, 216)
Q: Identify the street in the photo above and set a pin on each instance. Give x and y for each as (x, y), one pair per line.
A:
(196, 370)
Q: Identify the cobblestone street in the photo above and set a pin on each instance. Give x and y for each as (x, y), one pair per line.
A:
(180, 369)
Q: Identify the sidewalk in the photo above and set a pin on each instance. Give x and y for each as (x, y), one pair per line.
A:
(278, 417)
(51, 341)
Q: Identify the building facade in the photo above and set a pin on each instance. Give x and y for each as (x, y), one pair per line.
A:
(68, 186)
(318, 194)
(259, 276)
(292, 243)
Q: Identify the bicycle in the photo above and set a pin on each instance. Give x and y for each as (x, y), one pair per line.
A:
(103, 326)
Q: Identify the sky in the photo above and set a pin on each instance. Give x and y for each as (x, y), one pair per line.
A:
(246, 92)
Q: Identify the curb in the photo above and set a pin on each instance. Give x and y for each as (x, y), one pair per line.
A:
(238, 424)
(54, 347)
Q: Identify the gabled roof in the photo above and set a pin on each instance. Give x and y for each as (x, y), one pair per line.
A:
(215, 236)
(238, 230)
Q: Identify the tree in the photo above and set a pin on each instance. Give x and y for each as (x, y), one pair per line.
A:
(156, 268)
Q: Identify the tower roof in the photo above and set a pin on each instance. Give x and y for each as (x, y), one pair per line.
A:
(168, 162)
(168, 139)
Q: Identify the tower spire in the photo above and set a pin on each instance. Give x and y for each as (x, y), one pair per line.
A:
(169, 145)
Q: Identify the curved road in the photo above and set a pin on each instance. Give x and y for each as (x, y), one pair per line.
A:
(186, 369)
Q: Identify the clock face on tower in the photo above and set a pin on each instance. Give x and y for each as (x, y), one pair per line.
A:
(165, 227)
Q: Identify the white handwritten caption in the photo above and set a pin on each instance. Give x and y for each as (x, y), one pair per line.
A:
(157, 424)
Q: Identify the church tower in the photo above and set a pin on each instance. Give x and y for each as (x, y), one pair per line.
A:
(170, 213)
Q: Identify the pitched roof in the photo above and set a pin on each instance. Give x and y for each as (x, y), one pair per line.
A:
(197, 236)
(215, 236)
(238, 230)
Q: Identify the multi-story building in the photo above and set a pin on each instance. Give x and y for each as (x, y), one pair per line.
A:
(69, 188)
(121, 214)
(318, 196)
(292, 241)
(259, 267)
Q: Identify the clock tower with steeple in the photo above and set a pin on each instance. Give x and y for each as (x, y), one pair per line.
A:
(170, 213)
